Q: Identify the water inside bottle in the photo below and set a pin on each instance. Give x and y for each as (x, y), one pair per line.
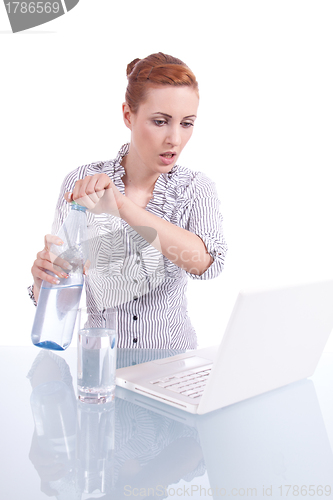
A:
(58, 324)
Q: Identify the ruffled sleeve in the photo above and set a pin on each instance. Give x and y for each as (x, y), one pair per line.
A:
(206, 221)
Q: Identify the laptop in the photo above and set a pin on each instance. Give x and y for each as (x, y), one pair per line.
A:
(274, 337)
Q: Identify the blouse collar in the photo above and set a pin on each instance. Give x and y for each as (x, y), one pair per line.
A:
(161, 185)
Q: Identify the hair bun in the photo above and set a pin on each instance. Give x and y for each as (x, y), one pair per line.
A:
(155, 69)
(131, 65)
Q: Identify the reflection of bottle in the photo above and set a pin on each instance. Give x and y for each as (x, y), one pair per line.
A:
(95, 447)
(53, 410)
(58, 304)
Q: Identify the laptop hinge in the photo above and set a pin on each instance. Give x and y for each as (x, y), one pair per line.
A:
(137, 389)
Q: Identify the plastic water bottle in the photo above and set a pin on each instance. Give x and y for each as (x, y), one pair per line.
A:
(58, 304)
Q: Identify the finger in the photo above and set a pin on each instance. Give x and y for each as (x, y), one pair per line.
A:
(86, 201)
(46, 255)
(102, 182)
(51, 239)
(55, 260)
(94, 189)
(88, 191)
(60, 263)
(92, 195)
(79, 190)
(100, 193)
(68, 197)
(91, 184)
(40, 274)
(42, 264)
(86, 267)
(79, 194)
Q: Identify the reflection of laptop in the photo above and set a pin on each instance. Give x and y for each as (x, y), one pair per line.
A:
(268, 441)
(274, 337)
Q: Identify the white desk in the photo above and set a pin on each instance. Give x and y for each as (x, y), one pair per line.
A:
(53, 447)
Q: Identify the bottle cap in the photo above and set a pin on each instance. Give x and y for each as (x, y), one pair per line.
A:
(76, 206)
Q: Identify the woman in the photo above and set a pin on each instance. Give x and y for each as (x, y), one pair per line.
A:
(152, 222)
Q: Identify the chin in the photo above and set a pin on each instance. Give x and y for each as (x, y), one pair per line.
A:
(166, 168)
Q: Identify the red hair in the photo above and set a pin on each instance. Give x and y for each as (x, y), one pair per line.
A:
(156, 69)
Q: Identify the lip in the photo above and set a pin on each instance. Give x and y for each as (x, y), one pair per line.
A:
(168, 161)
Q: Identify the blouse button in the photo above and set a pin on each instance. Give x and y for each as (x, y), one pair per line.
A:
(135, 318)
(135, 341)
(135, 298)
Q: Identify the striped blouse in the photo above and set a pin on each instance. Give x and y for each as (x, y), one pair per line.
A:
(126, 272)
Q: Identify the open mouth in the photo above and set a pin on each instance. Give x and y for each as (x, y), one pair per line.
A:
(168, 158)
(168, 155)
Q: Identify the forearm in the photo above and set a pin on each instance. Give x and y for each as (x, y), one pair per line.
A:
(183, 248)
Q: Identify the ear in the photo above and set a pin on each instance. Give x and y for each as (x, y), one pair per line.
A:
(127, 115)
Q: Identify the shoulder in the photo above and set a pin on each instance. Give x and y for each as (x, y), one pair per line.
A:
(109, 167)
(189, 183)
(98, 167)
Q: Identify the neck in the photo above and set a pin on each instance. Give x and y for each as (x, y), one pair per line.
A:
(138, 178)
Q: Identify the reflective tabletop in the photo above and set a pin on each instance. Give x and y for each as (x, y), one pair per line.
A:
(277, 445)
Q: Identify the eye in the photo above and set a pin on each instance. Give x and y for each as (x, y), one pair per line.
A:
(160, 123)
(187, 124)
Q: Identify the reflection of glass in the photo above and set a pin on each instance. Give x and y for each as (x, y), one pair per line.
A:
(95, 445)
(97, 353)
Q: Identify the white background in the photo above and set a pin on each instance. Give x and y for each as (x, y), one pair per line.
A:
(264, 133)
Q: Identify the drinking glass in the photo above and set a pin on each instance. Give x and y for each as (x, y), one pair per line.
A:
(97, 355)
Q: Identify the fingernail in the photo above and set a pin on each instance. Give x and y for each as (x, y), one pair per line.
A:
(67, 266)
(55, 281)
(64, 275)
(60, 242)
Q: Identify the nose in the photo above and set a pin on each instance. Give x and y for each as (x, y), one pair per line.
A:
(174, 136)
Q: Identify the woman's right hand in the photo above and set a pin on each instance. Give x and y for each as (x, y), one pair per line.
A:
(47, 261)
(98, 194)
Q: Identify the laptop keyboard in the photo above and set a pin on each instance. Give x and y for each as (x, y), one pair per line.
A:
(188, 383)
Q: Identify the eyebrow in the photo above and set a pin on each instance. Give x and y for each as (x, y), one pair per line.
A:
(169, 116)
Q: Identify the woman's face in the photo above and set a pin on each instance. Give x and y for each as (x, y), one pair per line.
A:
(161, 127)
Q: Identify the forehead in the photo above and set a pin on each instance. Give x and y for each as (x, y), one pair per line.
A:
(170, 99)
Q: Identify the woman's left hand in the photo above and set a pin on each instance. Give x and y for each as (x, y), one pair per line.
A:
(98, 194)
